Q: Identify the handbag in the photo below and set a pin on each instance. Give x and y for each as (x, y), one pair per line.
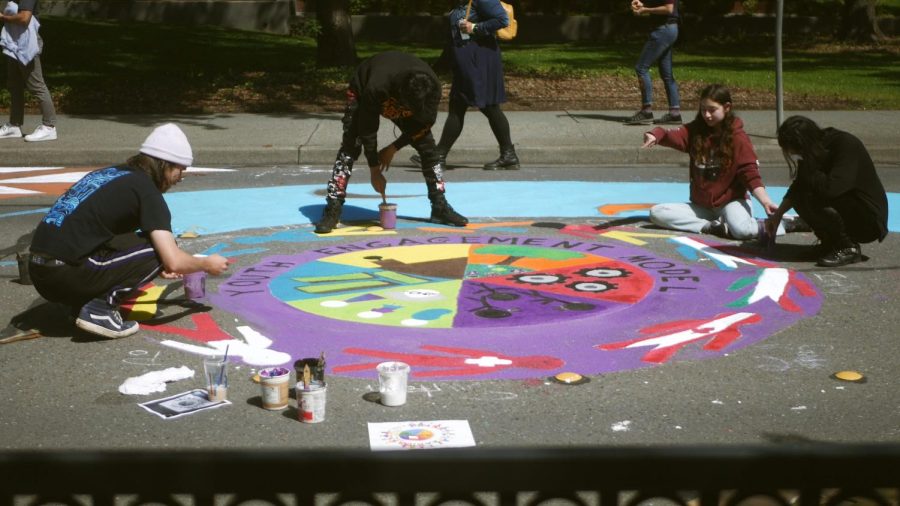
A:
(511, 30)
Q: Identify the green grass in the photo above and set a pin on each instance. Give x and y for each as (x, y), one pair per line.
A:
(98, 67)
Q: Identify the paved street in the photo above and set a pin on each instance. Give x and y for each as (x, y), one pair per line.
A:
(690, 339)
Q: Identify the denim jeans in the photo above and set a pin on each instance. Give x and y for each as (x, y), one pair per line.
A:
(658, 48)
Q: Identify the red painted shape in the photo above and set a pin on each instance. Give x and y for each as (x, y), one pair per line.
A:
(205, 329)
(449, 365)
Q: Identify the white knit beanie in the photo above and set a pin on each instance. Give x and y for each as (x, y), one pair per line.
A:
(167, 142)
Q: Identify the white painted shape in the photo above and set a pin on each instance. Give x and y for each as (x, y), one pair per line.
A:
(772, 284)
(622, 426)
(703, 330)
(488, 361)
(65, 177)
(7, 190)
(8, 170)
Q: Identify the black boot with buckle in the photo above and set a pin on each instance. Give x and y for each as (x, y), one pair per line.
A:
(507, 161)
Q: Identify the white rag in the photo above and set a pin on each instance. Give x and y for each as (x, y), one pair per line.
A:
(154, 381)
(19, 42)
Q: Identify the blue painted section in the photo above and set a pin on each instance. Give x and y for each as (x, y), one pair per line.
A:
(219, 211)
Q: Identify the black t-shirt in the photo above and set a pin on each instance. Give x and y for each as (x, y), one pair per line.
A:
(103, 204)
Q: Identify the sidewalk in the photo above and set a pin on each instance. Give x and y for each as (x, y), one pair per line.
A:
(541, 138)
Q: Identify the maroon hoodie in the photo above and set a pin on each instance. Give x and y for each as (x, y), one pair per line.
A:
(733, 181)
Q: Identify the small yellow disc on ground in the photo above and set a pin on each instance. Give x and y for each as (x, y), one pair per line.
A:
(848, 375)
(568, 377)
(374, 228)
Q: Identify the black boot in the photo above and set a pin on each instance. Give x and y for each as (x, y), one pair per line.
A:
(847, 254)
(331, 215)
(443, 213)
(507, 161)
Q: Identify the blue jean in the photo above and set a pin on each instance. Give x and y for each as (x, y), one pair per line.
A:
(658, 48)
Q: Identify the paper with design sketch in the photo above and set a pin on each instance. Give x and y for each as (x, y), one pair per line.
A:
(420, 435)
(181, 404)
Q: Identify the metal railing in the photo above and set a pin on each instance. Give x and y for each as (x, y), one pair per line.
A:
(802, 475)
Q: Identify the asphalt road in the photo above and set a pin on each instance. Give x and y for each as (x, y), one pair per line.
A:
(61, 390)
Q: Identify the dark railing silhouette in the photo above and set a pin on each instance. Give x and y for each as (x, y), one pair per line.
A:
(804, 475)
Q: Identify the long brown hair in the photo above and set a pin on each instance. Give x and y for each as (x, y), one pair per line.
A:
(700, 132)
(153, 167)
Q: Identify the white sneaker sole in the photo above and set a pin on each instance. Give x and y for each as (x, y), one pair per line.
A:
(11, 136)
(40, 139)
(93, 328)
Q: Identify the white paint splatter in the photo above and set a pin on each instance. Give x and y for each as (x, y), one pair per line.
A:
(717, 401)
(798, 408)
(154, 381)
(622, 426)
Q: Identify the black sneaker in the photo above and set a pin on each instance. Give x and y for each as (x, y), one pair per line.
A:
(101, 318)
(640, 118)
(331, 215)
(669, 119)
(839, 257)
(717, 228)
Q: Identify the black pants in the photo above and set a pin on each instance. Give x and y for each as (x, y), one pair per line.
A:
(113, 272)
(351, 148)
(836, 220)
(456, 114)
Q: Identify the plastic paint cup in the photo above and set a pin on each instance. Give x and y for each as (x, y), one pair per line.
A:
(195, 284)
(766, 235)
(392, 380)
(311, 402)
(274, 383)
(216, 369)
(388, 215)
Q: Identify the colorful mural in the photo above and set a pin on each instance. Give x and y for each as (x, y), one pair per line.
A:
(495, 306)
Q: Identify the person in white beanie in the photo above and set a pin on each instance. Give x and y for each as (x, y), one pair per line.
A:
(111, 233)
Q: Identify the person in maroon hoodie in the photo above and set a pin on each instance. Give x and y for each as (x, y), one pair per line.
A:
(723, 169)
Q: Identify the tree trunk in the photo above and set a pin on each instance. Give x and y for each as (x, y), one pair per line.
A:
(335, 46)
(858, 22)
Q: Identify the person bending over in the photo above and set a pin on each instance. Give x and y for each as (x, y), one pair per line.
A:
(403, 89)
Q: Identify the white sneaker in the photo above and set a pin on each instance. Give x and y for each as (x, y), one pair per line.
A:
(42, 133)
(8, 131)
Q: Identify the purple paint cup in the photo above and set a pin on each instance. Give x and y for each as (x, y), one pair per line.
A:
(388, 214)
(195, 285)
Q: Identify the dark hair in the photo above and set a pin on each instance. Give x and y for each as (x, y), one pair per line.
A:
(799, 134)
(421, 93)
(700, 132)
(153, 167)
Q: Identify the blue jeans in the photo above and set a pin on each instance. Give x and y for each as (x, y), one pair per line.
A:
(658, 48)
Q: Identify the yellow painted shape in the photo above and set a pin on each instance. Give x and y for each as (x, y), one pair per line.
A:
(352, 230)
(145, 307)
(632, 237)
(405, 254)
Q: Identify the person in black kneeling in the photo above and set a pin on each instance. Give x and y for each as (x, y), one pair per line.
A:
(403, 89)
(835, 189)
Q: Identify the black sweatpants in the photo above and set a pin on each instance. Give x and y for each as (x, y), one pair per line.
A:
(856, 221)
(112, 272)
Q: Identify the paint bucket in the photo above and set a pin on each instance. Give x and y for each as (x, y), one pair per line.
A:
(23, 259)
(392, 380)
(311, 402)
(274, 383)
(388, 215)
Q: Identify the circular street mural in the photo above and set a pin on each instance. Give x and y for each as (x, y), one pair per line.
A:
(513, 306)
